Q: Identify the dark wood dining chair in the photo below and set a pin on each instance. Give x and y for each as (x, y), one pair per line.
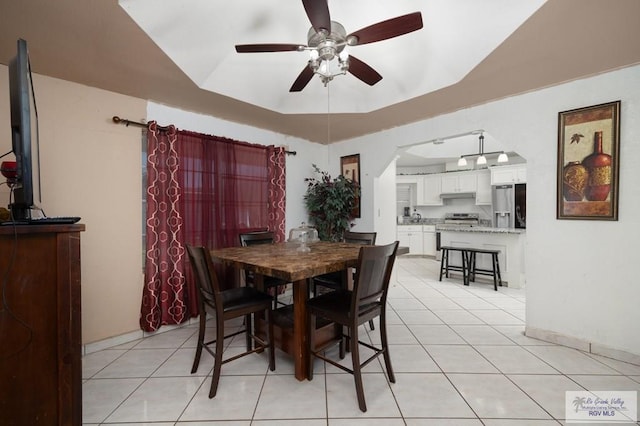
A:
(335, 280)
(262, 237)
(225, 305)
(350, 309)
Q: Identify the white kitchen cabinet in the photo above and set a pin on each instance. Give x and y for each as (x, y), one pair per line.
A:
(516, 173)
(483, 192)
(411, 236)
(459, 182)
(429, 191)
(449, 183)
(429, 240)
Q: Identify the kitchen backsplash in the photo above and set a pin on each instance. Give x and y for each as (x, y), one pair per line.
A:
(433, 221)
(463, 205)
(454, 205)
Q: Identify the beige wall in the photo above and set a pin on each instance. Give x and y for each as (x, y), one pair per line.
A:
(91, 167)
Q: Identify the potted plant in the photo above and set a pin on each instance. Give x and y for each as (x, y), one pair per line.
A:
(330, 204)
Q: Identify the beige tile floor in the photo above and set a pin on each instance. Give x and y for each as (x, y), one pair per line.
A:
(459, 355)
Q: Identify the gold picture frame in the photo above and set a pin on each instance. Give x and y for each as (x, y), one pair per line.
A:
(350, 169)
(588, 162)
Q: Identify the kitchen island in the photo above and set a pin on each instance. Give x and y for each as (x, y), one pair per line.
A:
(510, 242)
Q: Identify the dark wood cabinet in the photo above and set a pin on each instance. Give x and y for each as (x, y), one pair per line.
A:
(40, 328)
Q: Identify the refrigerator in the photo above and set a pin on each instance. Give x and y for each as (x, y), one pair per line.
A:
(509, 206)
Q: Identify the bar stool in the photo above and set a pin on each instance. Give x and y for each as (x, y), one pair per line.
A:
(445, 266)
(495, 266)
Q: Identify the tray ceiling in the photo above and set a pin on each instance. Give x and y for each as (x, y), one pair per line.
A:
(200, 35)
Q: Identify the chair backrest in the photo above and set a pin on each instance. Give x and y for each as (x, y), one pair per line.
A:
(373, 275)
(261, 237)
(366, 238)
(206, 278)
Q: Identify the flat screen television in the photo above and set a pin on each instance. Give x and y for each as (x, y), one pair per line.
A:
(24, 133)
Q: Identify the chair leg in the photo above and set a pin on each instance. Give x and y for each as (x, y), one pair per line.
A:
(468, 266)
(497, 265)
(311, 347)
(357, 369)
(217, 363)
(201, 331)
(343, 340)
(248, 329)
(443, 262)
(371, 326)
(275, 296)
(346, 344)
(472, 266)
(270, 340)
(385, 347)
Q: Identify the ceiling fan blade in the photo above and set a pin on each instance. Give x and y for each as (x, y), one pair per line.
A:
(318, 13)
(390, 28)
(363, 71)
(261, 48)
(303, 79)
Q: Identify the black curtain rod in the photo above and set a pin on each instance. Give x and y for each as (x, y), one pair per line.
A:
(126, 122)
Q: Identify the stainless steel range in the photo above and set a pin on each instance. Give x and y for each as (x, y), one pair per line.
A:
(462, 219)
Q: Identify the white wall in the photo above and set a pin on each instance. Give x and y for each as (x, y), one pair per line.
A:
(581, 275)
(384, 205)
(299, 166)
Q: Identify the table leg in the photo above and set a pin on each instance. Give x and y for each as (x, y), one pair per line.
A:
(300, 355)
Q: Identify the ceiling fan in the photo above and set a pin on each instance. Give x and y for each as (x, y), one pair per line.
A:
(327, 39)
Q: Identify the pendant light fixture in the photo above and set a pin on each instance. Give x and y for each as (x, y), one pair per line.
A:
(482, 159)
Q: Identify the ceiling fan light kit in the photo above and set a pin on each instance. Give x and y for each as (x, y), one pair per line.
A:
(327, 39)
(324, 48)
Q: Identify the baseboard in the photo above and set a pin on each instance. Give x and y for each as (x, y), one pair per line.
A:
(122, 339)
(583, 345)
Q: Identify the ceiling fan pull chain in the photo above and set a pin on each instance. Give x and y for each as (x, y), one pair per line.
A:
(328, 116)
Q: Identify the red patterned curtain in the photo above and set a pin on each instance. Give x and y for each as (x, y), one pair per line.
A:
(222, 187)
(165, 289)
(277, 190)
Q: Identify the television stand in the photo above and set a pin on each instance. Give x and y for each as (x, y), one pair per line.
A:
(40, 332)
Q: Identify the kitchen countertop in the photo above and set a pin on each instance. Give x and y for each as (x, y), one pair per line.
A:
(427, 221)
(484, 229)
(440, 226)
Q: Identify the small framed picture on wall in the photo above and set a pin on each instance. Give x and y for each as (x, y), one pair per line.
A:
(350, 169)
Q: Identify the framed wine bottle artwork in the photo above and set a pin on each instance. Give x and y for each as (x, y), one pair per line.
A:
(588, 162)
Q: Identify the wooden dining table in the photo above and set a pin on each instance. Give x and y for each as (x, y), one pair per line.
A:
(285, 261)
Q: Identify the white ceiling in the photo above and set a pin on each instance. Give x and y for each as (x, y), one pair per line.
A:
(96, 43)
(457, 35)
